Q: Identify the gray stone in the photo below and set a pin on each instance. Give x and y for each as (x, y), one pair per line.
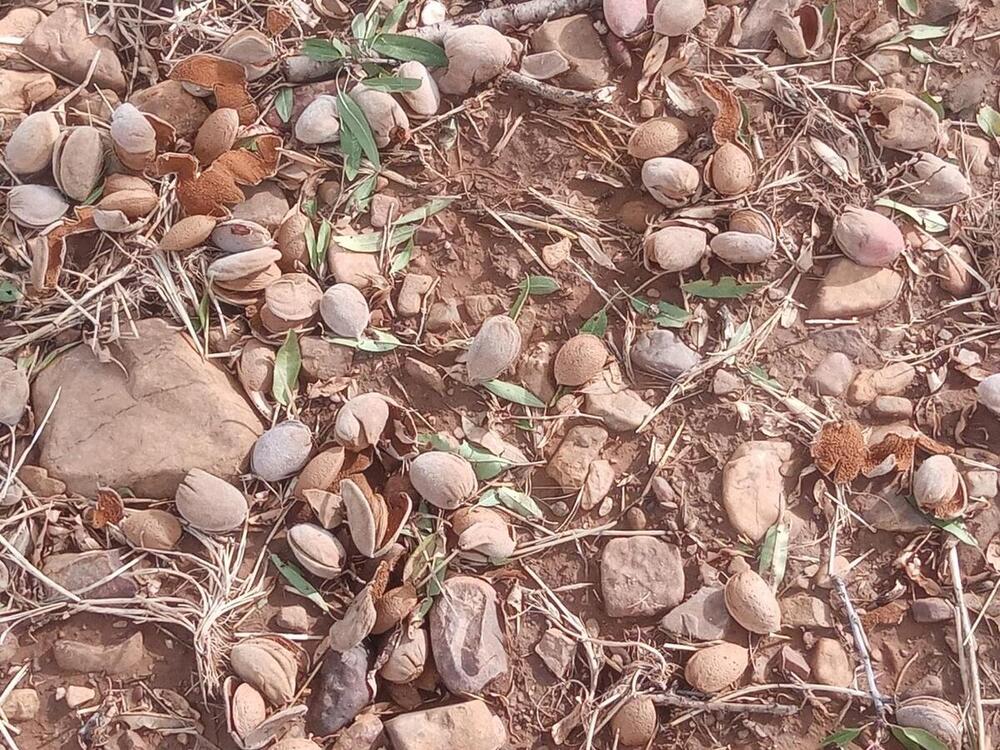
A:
(891, 407)
(622, 411)
(661, 352)
(982, 483)
(833, 374)
(932, 609)
(576, 39)
(466, 638)
(892, 513)
(21, 705)
(265, 204)
(411, 293)
(462, 726)
(557, 650)
(323, 360)
(144, 419)
(967, 92)
(295, 618)
(640, 576)
(849, 289)
(364, 734)
(121, 658)
(725, 383)
(805, 611)
(77, 572)
(342, 690)
(384, 209)
(793, 663)
(703, 617)
(579, 449)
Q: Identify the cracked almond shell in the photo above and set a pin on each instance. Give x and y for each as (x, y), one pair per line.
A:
(407, 657)
(445, 480)
(290, 302)
(361, 421)
(393, 607)
(712, 669)
(494, 348)
(319, 551)
(268, 663)
(580, 359)
(752, 604)
(939, 489)
(247, 709)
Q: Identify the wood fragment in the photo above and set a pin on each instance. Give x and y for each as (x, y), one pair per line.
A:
(507, 18)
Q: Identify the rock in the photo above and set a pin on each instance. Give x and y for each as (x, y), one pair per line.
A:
(557, 253)
(635, 723)
(37, 479)
(424, 375)
(640, 576)
(635, 519)
(622, 411)
(933, 609)
(893, 513)
(443, 316)
(323, 360)
(265, 204)
(145, 427)
(883, 62)
(464, 726)
(753, 488)
(557, 650)
(21, 705)
(849, 289)
(77, 572)
(482, 306)
(833, 374)
(725, 383)
(933, 11)
(703, 617)
(661, 352)
(803, 610)
(78, 695)
(18, 23)
(534, 369)
(366, 733)
(61, 43)
(295, 618)
(791, 662)
(14, 392)
(171, 103)
(122, 658)
(19, 91)
(342, 691)
(981, 483)
(466, 638)
(830, 663)
(384, 209)
(887, 381)
(891, 407)
(576, 39)
(967, 92)
(411, 293)
(579, 449)
(544, 65)
(357, 269)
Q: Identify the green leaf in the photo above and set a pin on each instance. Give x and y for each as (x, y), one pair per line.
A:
(920, 56)
(989, 120)
(841, 738)
(773, 559)
(392, 83)
(429, 209)
(283, 104)
(916, 739)
(361, 29)
(726, 288)
(922, 31)
(9, 291)
(519, 502)
(670, 316)
(323, 50)
(202, 311)
(395, 16)
(596, 324)
(95, 195)
(759, 374)
(930, 220)
(371, 242)
(382, 341)
(401, 259)
(353, 121)
(287, 363)
(400, 47)
(829, 14)
(298, 582)
(351, 148)
(322, 241)
(539, 285)
(513, 393)
(934, 102)
(956, 528)
(362, 192)
(909, 6)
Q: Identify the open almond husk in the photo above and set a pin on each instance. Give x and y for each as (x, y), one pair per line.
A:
(270, 664)
(375, 522)
(246, 734)
(802, 33)
(357, 622)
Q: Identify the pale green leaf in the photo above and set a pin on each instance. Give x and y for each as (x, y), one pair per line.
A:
(401, 259)
(829, 14)
(400, 47)
(919, 55)
(395, 16)
(596, 324)
(989, 120)
(9, 291)
(841, 738)
(930, 220)
(381, 341)
(539, 285)
(298, 582)
(956, 528)
(429, 209)
(283, 104)
(353, 121)
(287, 363)
(371, 242)
(513, 393)
(934, 102)
(773, 559)
(726, 288)
(392, 83)
(910, 7)
(916, 739)
(519, 502)
(323, 50)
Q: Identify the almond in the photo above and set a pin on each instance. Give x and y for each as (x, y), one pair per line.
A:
(580, 359)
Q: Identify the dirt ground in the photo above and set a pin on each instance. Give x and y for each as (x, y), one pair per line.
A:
(507, 153)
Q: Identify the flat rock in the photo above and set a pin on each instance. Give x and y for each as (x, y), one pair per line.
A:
(804, 610)
(753, 488)
(143, 428)
(322, 360)
(463, 726)
(342, 690)
(357, 269)
(579, 449)
(623, 411)
(892, 513)
(121, 658)
(557, 650)
(849, 289)
(61, 43)
(77, 572)
(171, 103)
(833, 374)
(266, 204)
(576, 39)
(640, 576)
(466, 638)
(20, 90)
(22, 704)
(366, 733)
(661, 352)
(703, 617)
(932, 609)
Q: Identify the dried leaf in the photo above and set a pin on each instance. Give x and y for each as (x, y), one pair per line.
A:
(594, 251)
(226, 78)
(654, 60)
(726, 126)
(298, 582)
(277, 21)
(839, 450)
(109, 508)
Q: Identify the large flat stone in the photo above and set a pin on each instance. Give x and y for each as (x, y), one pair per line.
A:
(849, 289)
(144, 419)
(63, 45)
